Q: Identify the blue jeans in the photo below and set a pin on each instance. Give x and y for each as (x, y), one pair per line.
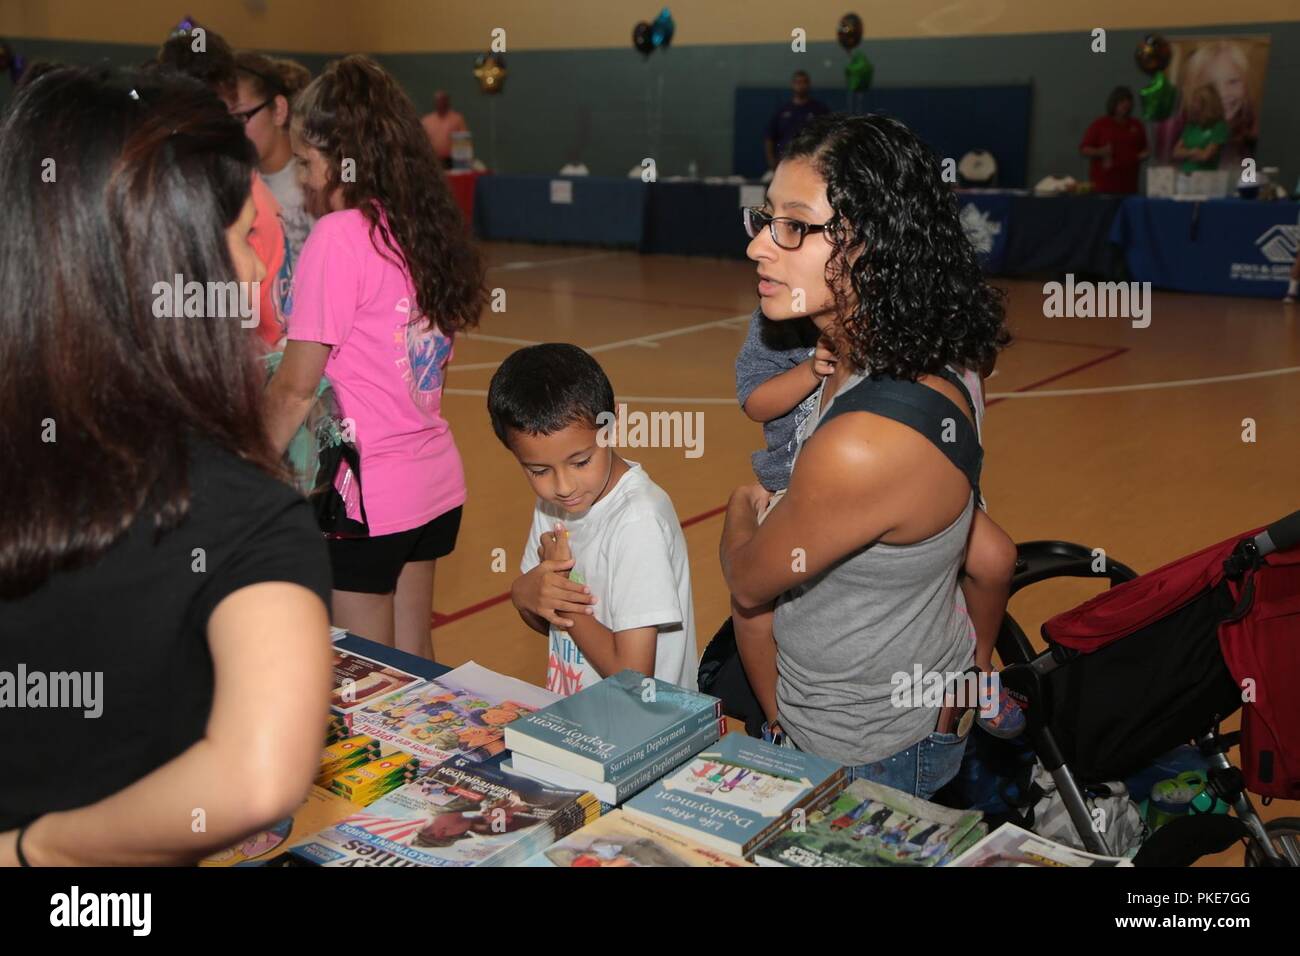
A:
(921, 770)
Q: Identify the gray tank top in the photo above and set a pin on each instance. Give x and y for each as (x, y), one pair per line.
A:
(844, 635)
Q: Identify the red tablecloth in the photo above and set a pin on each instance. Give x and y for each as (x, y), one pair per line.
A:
(462, 188)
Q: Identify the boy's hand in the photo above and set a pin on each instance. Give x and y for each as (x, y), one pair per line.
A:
(546, 591)
(824, 360)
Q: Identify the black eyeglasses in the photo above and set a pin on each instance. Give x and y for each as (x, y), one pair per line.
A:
(786, 233)
(247, 115)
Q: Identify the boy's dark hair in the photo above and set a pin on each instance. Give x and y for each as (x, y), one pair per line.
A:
(542, 389)
(214, 67)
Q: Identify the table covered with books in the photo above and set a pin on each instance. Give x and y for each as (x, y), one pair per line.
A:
(425, 765)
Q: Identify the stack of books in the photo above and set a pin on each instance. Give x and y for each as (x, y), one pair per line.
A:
(461, 813)
(616, 840)
(873, 825)
(614, 738)
(737, 795)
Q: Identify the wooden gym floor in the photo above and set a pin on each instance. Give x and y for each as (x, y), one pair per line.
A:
(1099, 433)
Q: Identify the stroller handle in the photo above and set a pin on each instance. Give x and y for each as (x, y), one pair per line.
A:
(1281, 535)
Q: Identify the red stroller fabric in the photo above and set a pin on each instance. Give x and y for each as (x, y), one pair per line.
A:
(1261, 650)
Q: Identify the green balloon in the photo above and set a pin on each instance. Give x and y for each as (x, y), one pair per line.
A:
(1158, 98)
(858, 72)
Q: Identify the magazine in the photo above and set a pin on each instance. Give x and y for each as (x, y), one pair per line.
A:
(462, 714)
(873, 825)
(1009, 845)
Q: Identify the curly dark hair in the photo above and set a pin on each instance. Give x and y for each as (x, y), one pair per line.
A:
(909, 294)
(356, 110)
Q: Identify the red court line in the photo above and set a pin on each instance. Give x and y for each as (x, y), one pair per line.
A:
(438, 620)
(1114, 353)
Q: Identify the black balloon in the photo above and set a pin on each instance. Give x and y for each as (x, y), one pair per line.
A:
(1153, 54)
(849, 33)
(642, 38)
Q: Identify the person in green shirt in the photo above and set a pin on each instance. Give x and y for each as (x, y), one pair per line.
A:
(1205, 131)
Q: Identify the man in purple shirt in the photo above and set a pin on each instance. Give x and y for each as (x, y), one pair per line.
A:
(790, 118)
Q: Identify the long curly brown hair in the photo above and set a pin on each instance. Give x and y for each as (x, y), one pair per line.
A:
(356, 110)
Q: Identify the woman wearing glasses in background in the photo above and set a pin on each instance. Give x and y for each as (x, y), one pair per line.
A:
(860, 240)
(264, 92)
(215, 67)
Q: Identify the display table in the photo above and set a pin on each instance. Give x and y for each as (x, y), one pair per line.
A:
(1215, 246)
(591, 210)
(1220, 247)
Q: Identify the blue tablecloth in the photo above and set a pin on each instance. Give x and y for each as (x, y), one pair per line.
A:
(1218, 246)
(1055, 235)
(1017, 234)
(695, 219)
(986, 217)
(1222, 247)
(605, 210)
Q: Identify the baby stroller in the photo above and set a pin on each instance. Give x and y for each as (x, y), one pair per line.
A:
(1159, 660)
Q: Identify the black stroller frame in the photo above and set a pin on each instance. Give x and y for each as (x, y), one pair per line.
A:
(1025, 674)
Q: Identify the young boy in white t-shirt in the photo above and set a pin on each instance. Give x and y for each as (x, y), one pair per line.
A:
(605, 573)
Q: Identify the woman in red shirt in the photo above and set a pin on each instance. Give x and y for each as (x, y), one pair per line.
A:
(1116, 143)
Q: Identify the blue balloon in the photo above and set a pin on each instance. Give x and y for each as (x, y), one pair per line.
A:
(661, 31)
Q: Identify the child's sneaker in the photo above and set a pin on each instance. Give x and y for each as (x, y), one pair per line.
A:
(1008, 722)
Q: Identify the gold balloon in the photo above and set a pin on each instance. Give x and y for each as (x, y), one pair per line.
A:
(490, 70)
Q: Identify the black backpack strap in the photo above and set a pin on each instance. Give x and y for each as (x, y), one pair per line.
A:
(923, 410)
(955, 379)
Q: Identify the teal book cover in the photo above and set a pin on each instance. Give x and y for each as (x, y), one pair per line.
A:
(735, 794)
(613, 726)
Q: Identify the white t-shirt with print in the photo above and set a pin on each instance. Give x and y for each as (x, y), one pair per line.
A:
(629, 549)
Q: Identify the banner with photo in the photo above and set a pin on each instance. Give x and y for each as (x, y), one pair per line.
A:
(1232, 68)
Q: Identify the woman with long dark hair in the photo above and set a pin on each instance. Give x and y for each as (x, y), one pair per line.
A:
(862, 554)
(387, 278)
(162, 590)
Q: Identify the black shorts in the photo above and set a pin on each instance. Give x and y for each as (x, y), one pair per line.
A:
(372, 565)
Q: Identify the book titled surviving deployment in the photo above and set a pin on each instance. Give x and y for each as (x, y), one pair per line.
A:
(736, 795)
(613, 728)
(614, 792)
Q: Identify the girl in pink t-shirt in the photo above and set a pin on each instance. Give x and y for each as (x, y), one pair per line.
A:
(386, 279)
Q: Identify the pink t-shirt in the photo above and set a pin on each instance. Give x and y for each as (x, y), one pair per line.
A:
(386, 371)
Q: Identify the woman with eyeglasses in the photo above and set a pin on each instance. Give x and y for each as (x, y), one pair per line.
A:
(214, 66)
(862, 554)
(264, 91)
